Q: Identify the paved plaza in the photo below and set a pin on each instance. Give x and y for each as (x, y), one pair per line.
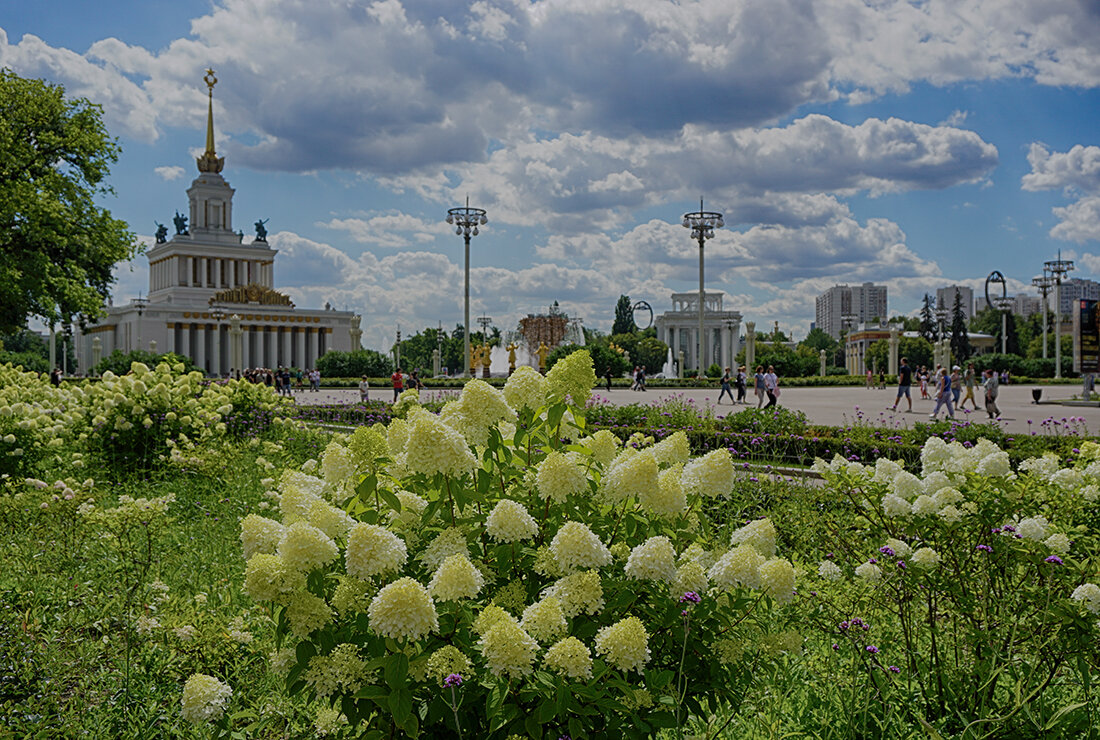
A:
(839, 406)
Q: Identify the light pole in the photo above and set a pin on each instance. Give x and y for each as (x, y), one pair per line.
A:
(66, 337)
(1004, 305)
(217, 312)
(397, 352)
(140, 304)
(466, 221)
(1045, 284)
(729, 330)
(702, 224)
(847, 321)
(1057, 268)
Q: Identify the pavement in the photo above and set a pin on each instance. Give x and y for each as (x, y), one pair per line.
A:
(1057, 413)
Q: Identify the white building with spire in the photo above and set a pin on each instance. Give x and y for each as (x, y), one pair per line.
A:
(212, 296)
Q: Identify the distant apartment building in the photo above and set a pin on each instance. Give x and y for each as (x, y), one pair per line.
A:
(945, 298)
(1027, 305)
(1075, 290)
(1023, 305)
(864, 302)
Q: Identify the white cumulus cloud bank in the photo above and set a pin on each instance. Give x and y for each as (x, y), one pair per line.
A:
(1077, 174)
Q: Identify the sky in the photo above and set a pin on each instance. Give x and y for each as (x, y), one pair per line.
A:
(915, 144)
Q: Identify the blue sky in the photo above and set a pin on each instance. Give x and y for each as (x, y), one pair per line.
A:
(915, 144)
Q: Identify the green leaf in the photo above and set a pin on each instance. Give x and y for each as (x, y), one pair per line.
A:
(366, 486)
(401, 706)
(390, 498)
(547, 711)
(397, 670)
(1057, 716)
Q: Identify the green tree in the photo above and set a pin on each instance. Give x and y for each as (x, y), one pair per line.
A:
(57, 247)
(927, 319)
(819, 339)
(960, 340)
(624, 317)
(988, 321)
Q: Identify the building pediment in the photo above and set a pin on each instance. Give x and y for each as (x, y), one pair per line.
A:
(252, 294)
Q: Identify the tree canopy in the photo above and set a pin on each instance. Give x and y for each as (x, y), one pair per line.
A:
(57, 247)
(624, 316)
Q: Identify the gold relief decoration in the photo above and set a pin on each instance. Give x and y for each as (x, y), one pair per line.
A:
(252, 293)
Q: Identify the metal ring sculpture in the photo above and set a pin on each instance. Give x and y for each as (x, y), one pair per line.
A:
(638, 307)
(995, 277)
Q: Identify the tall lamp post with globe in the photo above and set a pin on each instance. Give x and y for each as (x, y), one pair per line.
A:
(140, 304)
(1056, 269)
(702, 224)
(1045, 284)
(466, 221)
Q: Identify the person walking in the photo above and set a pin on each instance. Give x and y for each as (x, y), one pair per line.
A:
(634, 379)
(742, 381)
(956, 384)
(991, 394)
(726, 387)
(398, 383)
(905, 380)
(943, 394)
(607, 377)
(923, 375)
(758, 386)
(969, 380)
(870, 379)
(881, 379)
(364, 389)
(641, 378)
(771, 386)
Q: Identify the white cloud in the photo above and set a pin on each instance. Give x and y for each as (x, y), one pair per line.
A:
(172, 172)
(395, 88)
(1077, 173)
(391, 230)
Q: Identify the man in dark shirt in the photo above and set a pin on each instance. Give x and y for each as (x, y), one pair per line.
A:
(905, 379)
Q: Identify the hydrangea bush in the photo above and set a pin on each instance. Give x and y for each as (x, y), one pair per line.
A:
(495, 570)
(959, 596)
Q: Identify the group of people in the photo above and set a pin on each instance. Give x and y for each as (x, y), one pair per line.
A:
(400, 382)
(284, 379)
(638, 382)
(765, 384)
(948, 388)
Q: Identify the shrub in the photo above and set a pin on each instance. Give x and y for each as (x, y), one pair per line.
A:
(551, 577)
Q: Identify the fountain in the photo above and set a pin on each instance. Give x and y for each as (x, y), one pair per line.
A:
(668, 370)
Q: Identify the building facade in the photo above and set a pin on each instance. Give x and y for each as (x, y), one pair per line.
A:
(860, 302)
(1074, 290)
(212, 296)
(945, 298)
(679, 329)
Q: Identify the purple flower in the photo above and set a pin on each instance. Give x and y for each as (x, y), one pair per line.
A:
(1053, 559)
(453, 680)
(835, 646)
(871, 649)
(984, 548)
(894, 669)
(690, 596)
(885, 550)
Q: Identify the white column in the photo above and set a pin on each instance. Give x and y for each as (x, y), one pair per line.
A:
(726, 348)
(246, 349)
(216, 351)
(188, 270)
(170, 339)
(284, 343)
(185, 340)
(200, 346)
(736, 341)
(300, 348)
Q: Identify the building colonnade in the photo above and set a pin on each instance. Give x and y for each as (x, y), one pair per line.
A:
(209, 272)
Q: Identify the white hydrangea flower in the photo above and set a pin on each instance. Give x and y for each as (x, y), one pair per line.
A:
(869, 572)
(760, 534)
(510, 522)
(829, 570)
(1089, 595)
(1033, 528)
(653, 560)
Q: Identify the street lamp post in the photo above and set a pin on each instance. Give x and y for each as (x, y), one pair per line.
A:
(1056, 269)
(397, 352)
(729, 330)
(140, 304)
(466, 221)
(702, 224)
(217, 312)
(1004, 305)
(1045, 284)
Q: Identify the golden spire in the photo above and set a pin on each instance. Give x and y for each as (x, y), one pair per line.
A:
(210, 161)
